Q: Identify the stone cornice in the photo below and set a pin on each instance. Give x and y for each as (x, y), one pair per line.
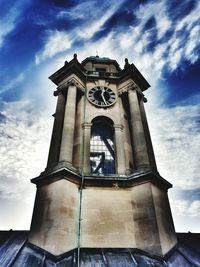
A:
(70, 82)
(131, 86)
(131, 180)
(131, 72)
(72, 67)
(118, 127)
(86, 125)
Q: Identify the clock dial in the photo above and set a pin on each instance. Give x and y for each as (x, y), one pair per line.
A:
(101, 96)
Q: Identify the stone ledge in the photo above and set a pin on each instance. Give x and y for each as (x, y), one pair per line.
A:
(72, 174)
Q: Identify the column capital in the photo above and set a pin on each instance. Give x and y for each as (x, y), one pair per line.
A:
(67, 141)
(138, 91)
(130, 86)
(86, 125)
(134, 87)
(118, 127)
(70, 82)
(58, 92)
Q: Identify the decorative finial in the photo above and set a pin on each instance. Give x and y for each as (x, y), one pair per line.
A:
(144, 99)
(75, 56)
(126, 63)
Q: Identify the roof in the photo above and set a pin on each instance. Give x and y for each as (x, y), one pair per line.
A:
(16, 251)
(74, 67)
(101, 60)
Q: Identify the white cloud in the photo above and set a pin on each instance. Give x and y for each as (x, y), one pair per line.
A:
(12, 83)
(130, 42)
(186, 208)
(24, 146)
(176, 138)
(180, 46)
(186, 214)
(185, 39)
(193, 39)
(80, 11)
(58, 41)
(9, 20)
(89, 29)
(93, 21)
(155, 10)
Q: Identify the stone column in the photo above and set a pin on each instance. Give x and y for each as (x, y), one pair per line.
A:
(137, 132)
(119, 144)
(67, 142)
(54, 149)
(147, 136)
(86, 147)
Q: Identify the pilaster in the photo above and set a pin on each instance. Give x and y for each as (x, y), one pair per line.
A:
(137, 132)
(121, 166)
(86, 147)
(67, 142)
(57, 132)
(147, 135)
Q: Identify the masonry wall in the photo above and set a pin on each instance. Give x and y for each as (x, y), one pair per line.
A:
(107, 218)
(137, 217)
(55, 218)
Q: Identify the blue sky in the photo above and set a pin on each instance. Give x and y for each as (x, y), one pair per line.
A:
(162, 38)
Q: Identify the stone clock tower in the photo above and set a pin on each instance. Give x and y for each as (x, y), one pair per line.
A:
(101, 188)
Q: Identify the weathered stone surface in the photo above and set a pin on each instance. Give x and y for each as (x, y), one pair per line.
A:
(55, 219)
(70, 211)
(107, 218)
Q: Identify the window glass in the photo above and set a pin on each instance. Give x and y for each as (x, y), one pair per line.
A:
(102, 155)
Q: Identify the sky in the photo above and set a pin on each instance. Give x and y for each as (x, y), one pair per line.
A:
(162, 38)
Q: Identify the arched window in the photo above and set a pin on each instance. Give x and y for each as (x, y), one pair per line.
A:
(102, 154)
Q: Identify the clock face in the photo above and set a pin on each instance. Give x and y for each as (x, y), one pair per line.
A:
(101, 96)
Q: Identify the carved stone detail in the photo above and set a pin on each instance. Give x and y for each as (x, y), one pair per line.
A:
(119, 127)
(86, 125)
(132, 86)
(72, 82)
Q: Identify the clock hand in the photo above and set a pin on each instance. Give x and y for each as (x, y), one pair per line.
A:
(102, 95)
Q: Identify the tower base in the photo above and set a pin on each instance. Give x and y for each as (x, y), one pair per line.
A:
(132, 212)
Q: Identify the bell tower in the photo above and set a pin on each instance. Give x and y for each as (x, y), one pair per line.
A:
(101, 187)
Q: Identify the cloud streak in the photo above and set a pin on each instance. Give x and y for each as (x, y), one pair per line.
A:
(10, 18)
(152, 45)
(176, 136)
(58, 41)
(91, 22)
(24, 141)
